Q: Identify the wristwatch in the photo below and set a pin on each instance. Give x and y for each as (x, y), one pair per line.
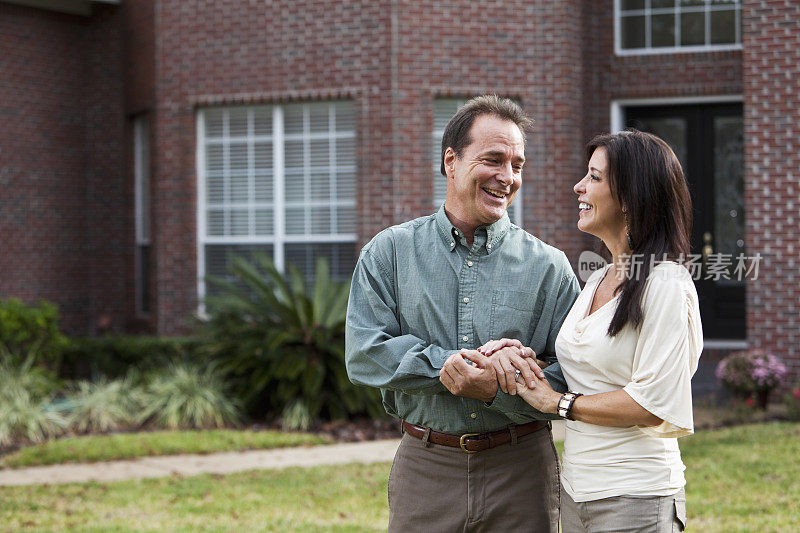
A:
(565, 404)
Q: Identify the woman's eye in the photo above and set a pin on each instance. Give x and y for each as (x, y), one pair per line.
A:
(594, 178)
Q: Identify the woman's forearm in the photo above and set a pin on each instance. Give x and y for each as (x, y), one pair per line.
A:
(615, 409)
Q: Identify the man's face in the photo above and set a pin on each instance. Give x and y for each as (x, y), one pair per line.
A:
(483, 182)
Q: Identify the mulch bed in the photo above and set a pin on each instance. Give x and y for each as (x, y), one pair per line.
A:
(360, 429)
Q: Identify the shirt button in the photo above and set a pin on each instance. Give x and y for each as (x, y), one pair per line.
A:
(465, 338)
(469, 263)
(489, 246)
(455, 231)
(473, 415)
(452, 243)
(466, 300)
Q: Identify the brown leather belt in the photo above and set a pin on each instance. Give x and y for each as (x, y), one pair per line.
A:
(474, 442)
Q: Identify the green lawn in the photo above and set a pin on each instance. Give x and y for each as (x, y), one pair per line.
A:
(739, 479)
(130, 445)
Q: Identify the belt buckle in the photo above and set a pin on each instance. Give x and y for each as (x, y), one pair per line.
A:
(462, 442)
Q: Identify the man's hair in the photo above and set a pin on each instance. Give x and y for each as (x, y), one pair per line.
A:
(456, 134)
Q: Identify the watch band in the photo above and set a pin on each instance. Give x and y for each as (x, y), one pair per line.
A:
(565, 404)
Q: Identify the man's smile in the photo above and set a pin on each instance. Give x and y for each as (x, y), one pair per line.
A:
(495, 193)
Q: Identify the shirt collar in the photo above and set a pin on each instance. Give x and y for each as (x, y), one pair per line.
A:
(450, 234)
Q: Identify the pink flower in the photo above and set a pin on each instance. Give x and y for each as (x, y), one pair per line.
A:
(796, 393)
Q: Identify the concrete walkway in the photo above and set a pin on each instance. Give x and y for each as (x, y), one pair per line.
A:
(216, 463)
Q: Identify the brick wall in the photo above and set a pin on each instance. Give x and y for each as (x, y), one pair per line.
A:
(58, 160)
(771, 31)
(393, 58)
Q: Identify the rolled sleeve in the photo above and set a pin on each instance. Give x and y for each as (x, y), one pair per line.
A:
(376, 353)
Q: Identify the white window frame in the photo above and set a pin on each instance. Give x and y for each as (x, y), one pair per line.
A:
(437, 134)
(142, 204)
(648, 50)
(279, 237)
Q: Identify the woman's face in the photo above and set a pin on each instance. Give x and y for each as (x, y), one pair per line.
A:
(600, 213)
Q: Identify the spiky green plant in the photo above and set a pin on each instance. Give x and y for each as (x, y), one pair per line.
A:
(187, 396)
(284, 342)
(296, 417)
(104, 405)
(27, 413)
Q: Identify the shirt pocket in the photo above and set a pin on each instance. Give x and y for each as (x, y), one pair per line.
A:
(514, 315)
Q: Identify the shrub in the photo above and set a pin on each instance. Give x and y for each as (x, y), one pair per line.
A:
(113, 356)
(30, 333)
(187, 396)
(104, 405)
(284, 342)
(792, 402)
(26, 409)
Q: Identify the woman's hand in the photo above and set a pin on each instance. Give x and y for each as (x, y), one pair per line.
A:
(539, 394)
(508, 363)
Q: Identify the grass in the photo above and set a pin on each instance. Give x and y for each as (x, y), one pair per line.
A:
(143, 444)
(739, 479)
(744, 478)
(341, 498)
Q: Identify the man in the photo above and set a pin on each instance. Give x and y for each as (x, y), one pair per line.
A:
(425, 290)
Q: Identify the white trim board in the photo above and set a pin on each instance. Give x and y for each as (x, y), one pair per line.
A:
(616, 106)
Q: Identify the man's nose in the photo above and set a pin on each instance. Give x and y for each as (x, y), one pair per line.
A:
(506, 174)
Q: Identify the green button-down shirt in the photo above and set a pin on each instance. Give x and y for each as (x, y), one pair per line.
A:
(419, 294)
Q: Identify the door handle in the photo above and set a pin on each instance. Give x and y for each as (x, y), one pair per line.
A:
(708, 249)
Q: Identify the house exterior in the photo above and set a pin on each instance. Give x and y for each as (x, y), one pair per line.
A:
(145, 142)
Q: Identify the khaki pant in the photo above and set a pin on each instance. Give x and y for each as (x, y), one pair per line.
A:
(514, 487)
(640, 514)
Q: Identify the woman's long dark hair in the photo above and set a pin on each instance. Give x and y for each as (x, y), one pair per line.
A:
(646, 178)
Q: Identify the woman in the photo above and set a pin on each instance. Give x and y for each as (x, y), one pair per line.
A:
(628, 347)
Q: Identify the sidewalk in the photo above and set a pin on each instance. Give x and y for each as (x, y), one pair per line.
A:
(217, 463)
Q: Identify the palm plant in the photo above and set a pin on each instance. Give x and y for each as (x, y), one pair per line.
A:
(284, 341)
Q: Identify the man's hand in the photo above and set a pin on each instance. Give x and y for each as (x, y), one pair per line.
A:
(506, 356)
(509, 363)
(477, 381)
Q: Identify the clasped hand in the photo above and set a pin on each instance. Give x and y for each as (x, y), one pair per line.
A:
(503, 363)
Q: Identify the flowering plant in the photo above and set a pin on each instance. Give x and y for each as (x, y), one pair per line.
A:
(751, 371)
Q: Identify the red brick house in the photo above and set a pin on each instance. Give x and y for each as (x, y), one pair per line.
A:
(145, 141)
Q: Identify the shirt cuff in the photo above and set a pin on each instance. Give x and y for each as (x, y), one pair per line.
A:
(514, 405)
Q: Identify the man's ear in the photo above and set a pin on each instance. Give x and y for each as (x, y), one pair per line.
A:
(449, 161)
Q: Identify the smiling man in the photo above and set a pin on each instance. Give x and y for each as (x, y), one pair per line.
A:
(472, 458)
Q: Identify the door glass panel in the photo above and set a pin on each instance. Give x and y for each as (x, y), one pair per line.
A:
(671, 129)
(728, 185)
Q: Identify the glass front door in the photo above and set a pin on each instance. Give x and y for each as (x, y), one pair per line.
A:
(708, 142)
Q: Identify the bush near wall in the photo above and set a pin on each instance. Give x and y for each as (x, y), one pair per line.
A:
(114, 356)
(30, 333)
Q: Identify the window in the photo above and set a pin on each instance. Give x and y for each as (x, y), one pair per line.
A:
(443, 111)
(656, 26)
(277, 179)
(141, 171)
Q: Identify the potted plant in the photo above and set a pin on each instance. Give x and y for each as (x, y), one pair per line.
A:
(751, 374)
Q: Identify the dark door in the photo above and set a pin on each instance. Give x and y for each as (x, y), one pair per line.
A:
(708, 142)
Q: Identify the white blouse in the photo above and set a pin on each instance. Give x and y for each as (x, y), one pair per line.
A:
(654, 364)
